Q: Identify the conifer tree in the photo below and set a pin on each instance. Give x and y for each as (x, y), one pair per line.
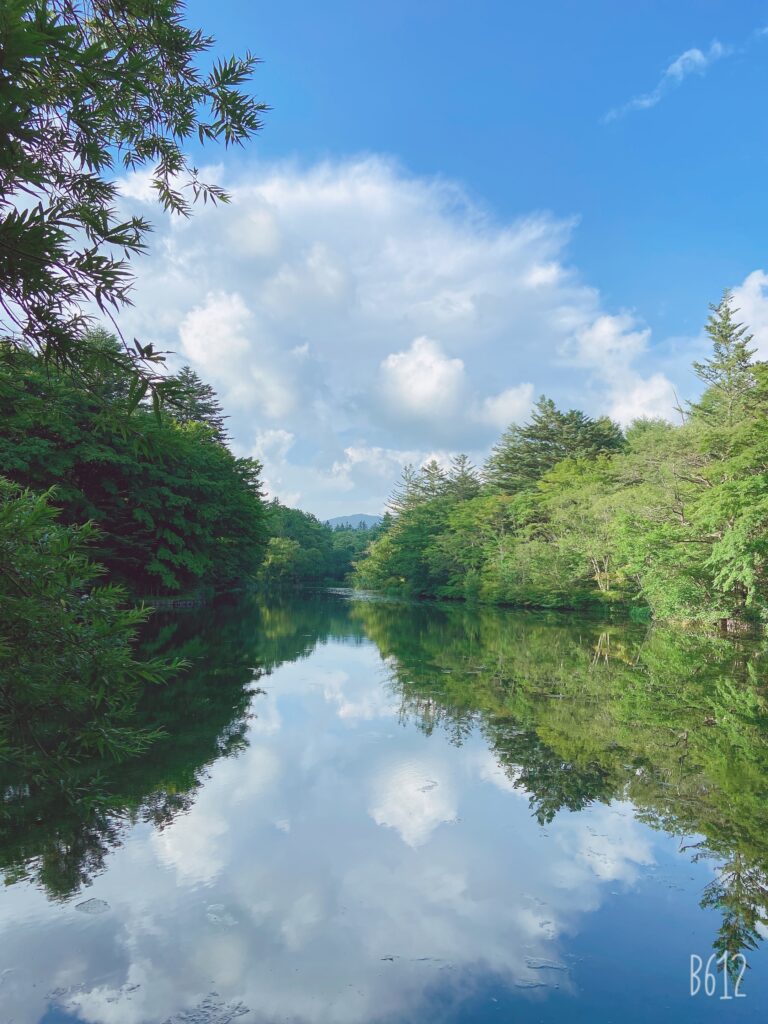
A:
(525, 453)
(729, 372)
(197, 402)
(405, 494)
(463, 478)
(432, 481)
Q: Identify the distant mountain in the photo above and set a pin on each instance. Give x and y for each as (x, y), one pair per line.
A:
(355, 520)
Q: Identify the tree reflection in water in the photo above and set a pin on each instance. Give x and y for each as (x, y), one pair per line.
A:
(574, 711)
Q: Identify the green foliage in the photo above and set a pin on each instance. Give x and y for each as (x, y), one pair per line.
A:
(59, 822)
(286, 562)
(525, 453)
(728, 374)
(69, 681)
(301, 549)
(575, 513)
(461, 481)
(86, 87)
(197, 402)
(463, 478)
(576, 712)
(174, 507)
(402, 558)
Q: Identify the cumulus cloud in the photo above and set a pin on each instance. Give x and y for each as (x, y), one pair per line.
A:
(691, 62)
(357, 700)
(353, 318)
(510, 406)
(413, 798)
(422, 381)
(611, 347)
(424, 384)
(751, 300)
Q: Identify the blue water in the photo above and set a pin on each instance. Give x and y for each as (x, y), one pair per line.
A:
(345, 866)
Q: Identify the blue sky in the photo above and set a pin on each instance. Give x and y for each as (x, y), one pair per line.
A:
(634, 135)
(508, 99)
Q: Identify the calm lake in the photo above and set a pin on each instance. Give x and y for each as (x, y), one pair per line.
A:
(369, 811)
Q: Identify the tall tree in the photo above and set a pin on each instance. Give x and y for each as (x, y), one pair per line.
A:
(197, 402)
(87, 86)
(406, 491)
(729, 372)
(525, 453)
(69, 682)
(463, 478)
(432, 481)
(174, 507)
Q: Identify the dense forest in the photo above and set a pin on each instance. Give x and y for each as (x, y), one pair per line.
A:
(571, 511)
(103, 506)
(117, 481)
(301, 549)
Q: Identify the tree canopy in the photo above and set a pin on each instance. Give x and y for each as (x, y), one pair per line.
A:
(301, 549)
(87, 88)
(574, 512)
(175, 508)
(525, 453)
(69, 678)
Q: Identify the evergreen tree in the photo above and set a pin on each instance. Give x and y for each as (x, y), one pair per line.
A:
(728, 373)
(197, 402)
(525, 453)
(463, 478)
(406, 492)
(432, 481)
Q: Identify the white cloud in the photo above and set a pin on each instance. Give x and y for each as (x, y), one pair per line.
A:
(504, 778)
(611, 843)
(216, 333)
(217, 337)
(272, 444)
(611, 340)
(356, 699)
(751, 300)
(194, 846)
(693, 61)
(611, 346)
(349, 309)
(271, 447)
(511, 406)
(422, 382)
(413, 798)
(645, 398)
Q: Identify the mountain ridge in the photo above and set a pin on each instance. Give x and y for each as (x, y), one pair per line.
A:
(354, 520)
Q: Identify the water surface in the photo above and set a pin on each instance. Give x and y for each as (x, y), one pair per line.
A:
(366, 811)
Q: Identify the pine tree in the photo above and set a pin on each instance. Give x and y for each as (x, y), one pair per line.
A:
(728, 373)
(432, 481)
(463, 478)
(406, 492)
(525, 453)
(197, 402)
(417, 486)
